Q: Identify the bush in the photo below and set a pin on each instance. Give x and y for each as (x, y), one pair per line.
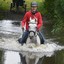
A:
(54, 11)
(59, 15)
(49, 9)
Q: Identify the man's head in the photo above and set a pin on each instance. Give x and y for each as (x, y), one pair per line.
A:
(34, 6)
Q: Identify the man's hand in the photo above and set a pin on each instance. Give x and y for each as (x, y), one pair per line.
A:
(22, 28)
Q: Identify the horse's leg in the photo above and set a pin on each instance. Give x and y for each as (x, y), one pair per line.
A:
(27, 60)
(17, 6)
(25, 6)
(12, 5)
(37, 59)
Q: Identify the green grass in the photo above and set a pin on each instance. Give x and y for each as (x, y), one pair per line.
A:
(5, 4)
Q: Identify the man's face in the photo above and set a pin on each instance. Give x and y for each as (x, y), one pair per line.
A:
(34, 8)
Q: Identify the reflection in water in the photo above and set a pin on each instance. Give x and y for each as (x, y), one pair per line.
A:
(17, 58)
(31, 60)
(23, 60)
(11, 57)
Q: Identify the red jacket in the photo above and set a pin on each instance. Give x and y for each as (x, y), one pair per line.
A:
(26, 19)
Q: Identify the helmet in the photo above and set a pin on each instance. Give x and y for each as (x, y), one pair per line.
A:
(34, 4)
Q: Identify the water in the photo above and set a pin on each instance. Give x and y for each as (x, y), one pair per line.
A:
(13, 53)
(11, 57)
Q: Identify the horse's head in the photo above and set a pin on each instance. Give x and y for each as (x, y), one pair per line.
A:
(33, 36)
(32, 26)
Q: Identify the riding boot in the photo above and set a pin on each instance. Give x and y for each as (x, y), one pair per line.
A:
(24, 37)
(41, 37)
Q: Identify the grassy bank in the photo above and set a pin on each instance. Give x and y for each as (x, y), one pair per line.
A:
(5, 6)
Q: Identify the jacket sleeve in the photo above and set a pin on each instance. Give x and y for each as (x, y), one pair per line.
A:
(40, 22)
(24, 20)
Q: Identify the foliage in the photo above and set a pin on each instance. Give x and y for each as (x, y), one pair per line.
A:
(59, 15)
(49, 9)
(55, 13)
(5, 4)
(1, 16)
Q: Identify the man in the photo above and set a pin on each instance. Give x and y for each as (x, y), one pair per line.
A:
(33, 13)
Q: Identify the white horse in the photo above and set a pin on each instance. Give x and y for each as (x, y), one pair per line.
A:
(33, 36)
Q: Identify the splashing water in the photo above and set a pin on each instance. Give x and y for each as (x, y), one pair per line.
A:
(13, 48)
(47, 49)
(42, 50)
(11, 44)
(28, 51)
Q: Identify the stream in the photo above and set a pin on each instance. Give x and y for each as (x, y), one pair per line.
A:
(11, 52)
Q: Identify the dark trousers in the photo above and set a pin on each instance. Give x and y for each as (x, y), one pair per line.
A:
(25, 36)
(41, 37)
